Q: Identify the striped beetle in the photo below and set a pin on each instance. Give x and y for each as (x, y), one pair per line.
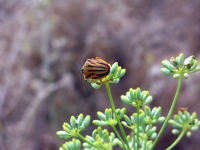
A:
(95, 68)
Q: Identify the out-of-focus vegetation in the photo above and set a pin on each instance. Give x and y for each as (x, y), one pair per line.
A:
(44, 43)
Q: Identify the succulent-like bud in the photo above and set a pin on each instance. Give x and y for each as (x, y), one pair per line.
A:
(137, 98)
(184, 121)
(178, 66)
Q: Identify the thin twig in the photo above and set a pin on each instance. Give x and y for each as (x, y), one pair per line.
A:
(29, 114)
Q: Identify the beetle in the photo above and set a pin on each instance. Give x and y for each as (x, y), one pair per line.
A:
(182, 109)
(95, 68)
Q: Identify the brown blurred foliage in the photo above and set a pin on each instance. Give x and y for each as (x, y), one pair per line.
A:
(44, 43)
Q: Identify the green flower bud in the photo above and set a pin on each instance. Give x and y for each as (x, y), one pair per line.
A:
(188, 134)
(99, 130)
(176, 131)
(189, 60)
(194, 128)
(115, 81)
(161, 119)
(100, 123)
(157, 113)
(131, 91)
(133, 103)
(122, 112)
(166, 64)
(138, 94)
(62, 134)
(154, 135)
(193, 116)
(147, 128)
(148, 111)
(149, 144)
(148, 100)
(196, 69)
(89, 138)
(124, 123)
(153, 111)
(122, 73)
(152, 130)
(154, 121)
(180, 60)
(77, 144)
(133, 118)
(118, 71)
(66, 126)
(101, 116)
(114, 68)
(80, 119)
(95, 86)
(125, 99)
(185, 75)
(145, 94)
(86, 121)
(126, 118)
(166, 71)
(108, 114)
(176, 76)
(73, 122)
(194, 65)
(112, 137)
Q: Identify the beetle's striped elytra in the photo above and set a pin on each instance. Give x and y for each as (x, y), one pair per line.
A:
(95, 68)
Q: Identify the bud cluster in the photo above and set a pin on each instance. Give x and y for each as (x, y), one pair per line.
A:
(75, 126)
(75, 144)
(102, 139)
(137, 98)
(185, 121)
(178, 66)
(108, 118)
(146, 122)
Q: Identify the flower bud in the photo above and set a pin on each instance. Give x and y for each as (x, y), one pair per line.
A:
(114, 68)
(166, 71)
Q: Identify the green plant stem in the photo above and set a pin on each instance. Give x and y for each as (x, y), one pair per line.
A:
(137, 109)
(118, 135)
(133, 141)
(84, 139)
(177, 140)
(114, 110)
(170, 111)
(144, 144)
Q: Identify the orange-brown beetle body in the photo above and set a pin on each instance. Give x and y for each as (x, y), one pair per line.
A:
(95, 68)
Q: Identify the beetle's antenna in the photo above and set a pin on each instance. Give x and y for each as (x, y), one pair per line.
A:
(78, 74)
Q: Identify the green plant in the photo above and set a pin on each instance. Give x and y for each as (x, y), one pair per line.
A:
(142, 123)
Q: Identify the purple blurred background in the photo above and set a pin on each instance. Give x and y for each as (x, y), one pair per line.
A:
(44, 44)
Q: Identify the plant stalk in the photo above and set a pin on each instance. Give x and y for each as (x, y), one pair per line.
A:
(114, 110)
(177, 140)
(137, 127)
(170, 111)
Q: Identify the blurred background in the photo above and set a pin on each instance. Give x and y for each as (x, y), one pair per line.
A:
(44, 44)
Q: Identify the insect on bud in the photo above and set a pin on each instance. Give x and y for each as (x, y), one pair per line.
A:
(95, 69)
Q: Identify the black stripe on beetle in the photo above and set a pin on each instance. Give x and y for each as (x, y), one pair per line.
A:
(95, 69)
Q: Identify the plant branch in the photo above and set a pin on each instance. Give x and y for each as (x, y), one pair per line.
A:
(114, 110)
(177, 140)
(170, 111)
